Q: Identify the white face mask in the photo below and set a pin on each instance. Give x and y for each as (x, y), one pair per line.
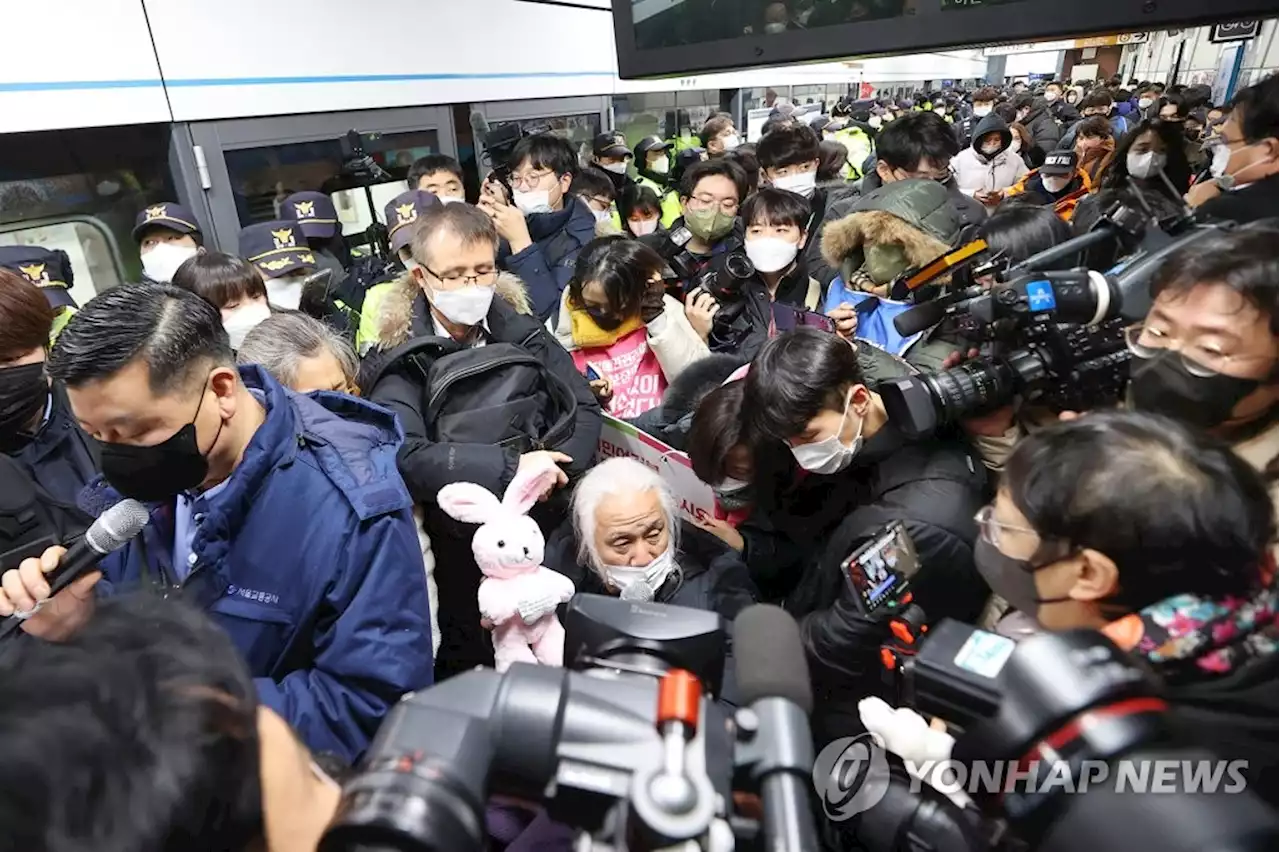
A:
(1145, 165)
(990, 150)
(803, 183)
(875, 121)
(643, 227)
(1055, 184)
(451, 199)
(602, 215)
(982, 111)
(537, 201)
(1050, 97)
(770, 254)
(1143, 103)
(830, 455)
(244, 319)
(774, 29)
(616, 168)
(731, 141)
(163, 259)
(940, 110)
(661, 166)
(465, 306)
(1016, 145)
(1221, 156)
(285, 292)
(641, 583)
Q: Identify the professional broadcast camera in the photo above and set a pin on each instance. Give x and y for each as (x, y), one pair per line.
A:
(1076, 703)
(631, 747)
(1058, 335)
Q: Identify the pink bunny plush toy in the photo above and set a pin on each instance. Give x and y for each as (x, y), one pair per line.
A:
(518, 596)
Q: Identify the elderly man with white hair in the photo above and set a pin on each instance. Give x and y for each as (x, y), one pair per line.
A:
(625, 538)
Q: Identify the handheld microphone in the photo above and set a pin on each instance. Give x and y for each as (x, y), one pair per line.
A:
(111, 531)
(773, 682)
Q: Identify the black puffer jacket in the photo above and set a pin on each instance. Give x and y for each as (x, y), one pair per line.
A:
(61, 457)
(1045, 132)
(934, 487)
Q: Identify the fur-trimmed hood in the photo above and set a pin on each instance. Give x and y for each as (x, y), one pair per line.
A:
(915, 214)
(395, 315)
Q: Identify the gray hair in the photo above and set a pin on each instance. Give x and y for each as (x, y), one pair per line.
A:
(616, 476)
(279, 342)
(468, 223)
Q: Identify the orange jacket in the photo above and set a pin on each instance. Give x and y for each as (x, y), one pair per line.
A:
(1065, 206)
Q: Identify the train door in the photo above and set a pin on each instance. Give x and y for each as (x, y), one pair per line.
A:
(248, 166)
(577, 119)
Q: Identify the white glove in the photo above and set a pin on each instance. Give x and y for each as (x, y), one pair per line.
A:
(924, 751)
(533, 608)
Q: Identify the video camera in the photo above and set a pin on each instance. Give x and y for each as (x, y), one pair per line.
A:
(1057, 335)
(630, 746)
(499, 144)
(1067, 706)
(360, 169)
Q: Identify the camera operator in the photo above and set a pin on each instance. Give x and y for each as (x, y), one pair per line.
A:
(775, 223)
(1206, 353)
(806, 389)
(710, 194)
(544, 227)
(1131, 524)
(1246, 160)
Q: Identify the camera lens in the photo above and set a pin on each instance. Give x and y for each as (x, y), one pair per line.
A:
(422, 810)
(739, 266)
(972, 387)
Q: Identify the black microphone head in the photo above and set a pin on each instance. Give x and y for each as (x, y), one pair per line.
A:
(769, 658)
(917, 319)
(114, 527)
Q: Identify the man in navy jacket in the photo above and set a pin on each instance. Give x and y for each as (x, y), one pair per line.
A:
(543, 227)
(280, 514)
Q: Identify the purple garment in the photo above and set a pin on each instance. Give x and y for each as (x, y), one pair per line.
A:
(516, 829)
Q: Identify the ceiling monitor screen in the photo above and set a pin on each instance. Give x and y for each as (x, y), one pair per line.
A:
(658, 38)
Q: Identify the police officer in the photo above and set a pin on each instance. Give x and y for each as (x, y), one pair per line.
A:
(315, 214)
(280, 252)
(50, 270)
(653, 167)
(402, 214)
(167, 235)
(610, 156)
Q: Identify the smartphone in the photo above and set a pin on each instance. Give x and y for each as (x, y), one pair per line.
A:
(787, 317)
(592, 375)
(880, 570)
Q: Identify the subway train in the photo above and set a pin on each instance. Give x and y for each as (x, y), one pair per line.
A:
(229, 106)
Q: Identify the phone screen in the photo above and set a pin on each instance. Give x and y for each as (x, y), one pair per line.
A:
(879, 570)
(786, 317)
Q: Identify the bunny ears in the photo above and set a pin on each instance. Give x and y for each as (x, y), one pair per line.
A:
(474, 504)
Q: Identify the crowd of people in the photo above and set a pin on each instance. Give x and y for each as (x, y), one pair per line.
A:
(289, 424)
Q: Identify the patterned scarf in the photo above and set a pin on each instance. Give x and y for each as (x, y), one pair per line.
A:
(1201, 635)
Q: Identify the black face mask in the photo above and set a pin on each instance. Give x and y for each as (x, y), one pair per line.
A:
(1163, 385)
(161, 471)
(604, 319)
(24, 392)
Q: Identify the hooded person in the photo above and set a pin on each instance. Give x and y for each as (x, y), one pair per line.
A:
(1033, 113)
(899, 226)
(989, 165)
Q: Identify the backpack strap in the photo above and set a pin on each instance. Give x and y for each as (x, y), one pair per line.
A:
(416, 354)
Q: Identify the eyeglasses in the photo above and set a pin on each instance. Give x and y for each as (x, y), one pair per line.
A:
(706, 202)
(1201, 359)
(477, 278)
(529, 180)
(989, 528)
